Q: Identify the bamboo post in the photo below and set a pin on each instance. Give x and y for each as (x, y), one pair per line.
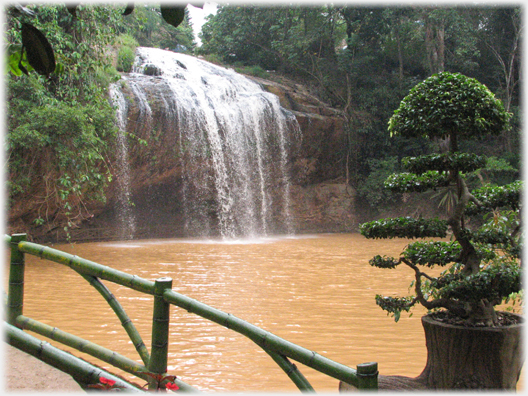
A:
(367, 376)
(123, 317)
(15, 298)
(160, 330)
(292, 371)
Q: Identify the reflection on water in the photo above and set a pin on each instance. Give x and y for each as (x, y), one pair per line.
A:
(316, 291)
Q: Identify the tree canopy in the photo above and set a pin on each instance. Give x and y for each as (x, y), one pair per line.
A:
(449, 105)
(483, 263)
(365, 59)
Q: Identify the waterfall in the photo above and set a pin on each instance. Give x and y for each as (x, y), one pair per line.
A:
(234, 144)
(125, 217)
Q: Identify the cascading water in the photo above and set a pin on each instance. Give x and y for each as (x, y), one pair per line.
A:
(127, 222)
(234, 144)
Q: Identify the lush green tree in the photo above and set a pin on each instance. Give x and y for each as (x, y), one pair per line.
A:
(289, 39)
(364, 59)
(147, 26)
(60, 126)
(482, 264)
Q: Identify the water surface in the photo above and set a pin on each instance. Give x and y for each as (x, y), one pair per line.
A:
(316, 291)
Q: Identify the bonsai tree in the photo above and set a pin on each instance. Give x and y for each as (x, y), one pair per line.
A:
(482, 265)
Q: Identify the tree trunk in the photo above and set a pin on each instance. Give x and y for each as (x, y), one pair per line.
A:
(461, 357)
(440, 43)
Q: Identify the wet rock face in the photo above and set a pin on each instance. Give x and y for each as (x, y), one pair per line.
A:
(320, 199)
(323, 133)
(152, 70)
(324, 207)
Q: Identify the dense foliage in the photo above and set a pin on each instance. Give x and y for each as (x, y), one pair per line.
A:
(60, 123)
(404, 227)
(483, 263)
(61, 128)
(365, 59)
(449, 105)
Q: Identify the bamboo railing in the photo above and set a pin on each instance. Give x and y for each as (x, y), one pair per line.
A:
(280, 350)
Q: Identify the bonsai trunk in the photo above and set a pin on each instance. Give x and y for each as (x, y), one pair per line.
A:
(461, 357)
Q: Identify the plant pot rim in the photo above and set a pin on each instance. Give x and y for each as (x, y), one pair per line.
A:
(428, 318)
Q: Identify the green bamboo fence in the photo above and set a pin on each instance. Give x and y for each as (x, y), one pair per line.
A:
(280, 350)
(81, 371)
(160, 330)
(123, 317)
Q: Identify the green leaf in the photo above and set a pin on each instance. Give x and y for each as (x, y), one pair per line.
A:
(397, 316)
(15, 64)
(173, 15)
(129, 9)
(38, 50)
(59, 69)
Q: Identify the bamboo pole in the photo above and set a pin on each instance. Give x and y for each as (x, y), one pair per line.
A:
(160, 330)
(97, 351)
(368, 375)
(102, 353)
(81, 371)
(88, 267)
(292, 371)
(123, 317)
(266, 340)
(15, 297)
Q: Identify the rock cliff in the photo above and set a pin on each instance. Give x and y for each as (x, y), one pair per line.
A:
(321, 201)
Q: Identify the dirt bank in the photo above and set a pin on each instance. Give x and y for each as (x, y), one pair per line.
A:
(25, 373)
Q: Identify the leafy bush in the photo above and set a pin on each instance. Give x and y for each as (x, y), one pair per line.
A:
(448, 104)
(57, 150)
(125, 59)
(432, 253)
(492, 197)
(255, 71)
(463, 162)
(126, 55)
(407, 182)
(372, 188)
(404, 227)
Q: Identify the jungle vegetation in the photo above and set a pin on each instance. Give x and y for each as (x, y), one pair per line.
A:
(60, 127)
(362, 60)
